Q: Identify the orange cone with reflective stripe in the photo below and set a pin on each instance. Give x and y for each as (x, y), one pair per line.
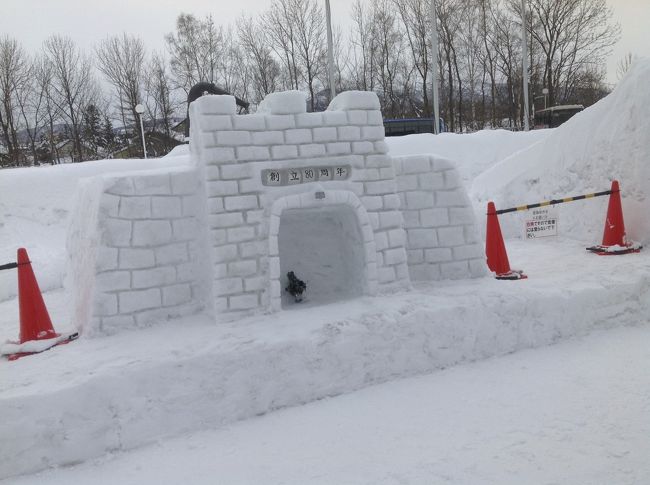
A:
(495, 248)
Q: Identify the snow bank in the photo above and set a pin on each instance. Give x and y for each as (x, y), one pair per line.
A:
(610, 140)
(473, 153)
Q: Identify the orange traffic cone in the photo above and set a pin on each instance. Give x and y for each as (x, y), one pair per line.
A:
(495, 249)
(614, 240)
(35, 323)
(36, 331)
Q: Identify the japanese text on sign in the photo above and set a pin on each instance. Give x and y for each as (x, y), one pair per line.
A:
(542, 224)
(292, 176)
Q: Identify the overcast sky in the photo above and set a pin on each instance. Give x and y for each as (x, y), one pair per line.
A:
(88, 21)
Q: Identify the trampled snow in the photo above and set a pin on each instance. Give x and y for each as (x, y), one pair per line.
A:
(121, 392)
(573, 413)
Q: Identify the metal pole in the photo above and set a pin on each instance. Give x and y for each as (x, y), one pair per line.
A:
(434, 68)
(330, 50)
(525, 64)
(144, 145)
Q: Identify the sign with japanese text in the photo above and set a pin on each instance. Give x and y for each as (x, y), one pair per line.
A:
(543, 223)
(293, 176)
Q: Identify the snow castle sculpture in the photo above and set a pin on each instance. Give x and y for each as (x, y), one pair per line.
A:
(277, 191)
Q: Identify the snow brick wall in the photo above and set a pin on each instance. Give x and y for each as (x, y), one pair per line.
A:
(134, 250)
(439, 220)
(266, 172)
(277, 191)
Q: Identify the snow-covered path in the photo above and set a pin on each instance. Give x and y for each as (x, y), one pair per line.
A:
(573, 413)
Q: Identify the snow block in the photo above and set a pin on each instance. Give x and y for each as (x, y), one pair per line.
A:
(216, 104)
(354, 100)
(284, 103)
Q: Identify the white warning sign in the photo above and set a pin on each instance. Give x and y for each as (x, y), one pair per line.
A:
(543, 223)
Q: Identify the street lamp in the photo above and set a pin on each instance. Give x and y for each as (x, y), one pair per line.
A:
(140, 109)
(545, 93)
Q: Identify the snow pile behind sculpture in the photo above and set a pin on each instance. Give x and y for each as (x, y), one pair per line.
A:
(610, 140)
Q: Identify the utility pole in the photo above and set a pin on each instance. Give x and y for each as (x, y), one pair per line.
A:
(525, 64)
(434, 67)
(330, 50)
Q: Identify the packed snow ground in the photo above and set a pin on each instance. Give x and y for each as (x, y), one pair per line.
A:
(572, 413)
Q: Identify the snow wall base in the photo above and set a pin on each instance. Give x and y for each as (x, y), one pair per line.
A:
(135, 403)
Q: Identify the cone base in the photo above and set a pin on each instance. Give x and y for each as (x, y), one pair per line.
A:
(512, 275)
(615, 250)
(59, 340)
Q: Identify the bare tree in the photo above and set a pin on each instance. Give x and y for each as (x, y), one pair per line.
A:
(574, 35)
(363, 38)
(309, 22)
(15, 71)
(387, 51)
(415, 16)
(122, 61)
(281, 33)
(196, 50)
(161, 105)
(624, 65)
(44, 74)
(32, 104)
(388, 58)
(72, 84)
(232, 71)
(265, 71)
(508, 60)
(449, 16)
(470, 49)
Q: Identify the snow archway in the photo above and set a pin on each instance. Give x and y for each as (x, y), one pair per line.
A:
(325, 237)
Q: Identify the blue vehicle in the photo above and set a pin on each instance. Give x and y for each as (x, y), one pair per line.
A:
(411, 126)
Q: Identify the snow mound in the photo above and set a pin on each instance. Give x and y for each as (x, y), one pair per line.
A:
(608, 141)
(473, 153)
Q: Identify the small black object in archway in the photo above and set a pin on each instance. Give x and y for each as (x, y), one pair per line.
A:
(296, 286)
